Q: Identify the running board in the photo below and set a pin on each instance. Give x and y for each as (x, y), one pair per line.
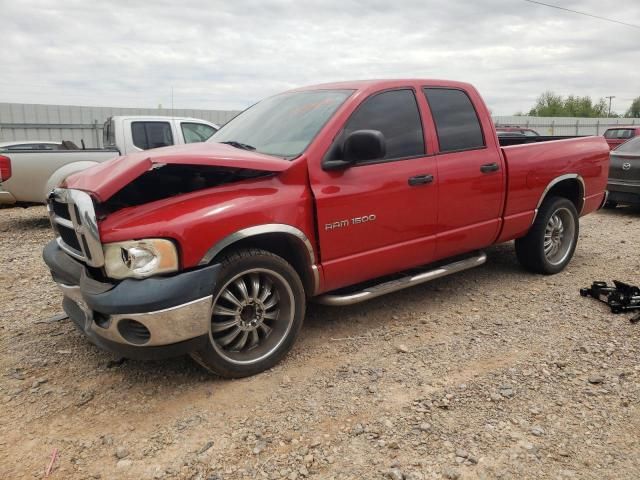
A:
(336, 300)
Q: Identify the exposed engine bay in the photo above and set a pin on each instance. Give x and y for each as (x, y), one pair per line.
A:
(165, 181)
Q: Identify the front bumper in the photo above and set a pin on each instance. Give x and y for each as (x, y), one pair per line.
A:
(143, 319)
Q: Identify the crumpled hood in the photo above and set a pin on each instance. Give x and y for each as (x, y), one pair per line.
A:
(104, 180)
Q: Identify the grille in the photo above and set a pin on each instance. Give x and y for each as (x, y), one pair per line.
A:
(69, 237)
(61, 210)
(74, 221)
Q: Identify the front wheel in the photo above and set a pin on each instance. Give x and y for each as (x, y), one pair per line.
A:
(552, 239)
(257, 311)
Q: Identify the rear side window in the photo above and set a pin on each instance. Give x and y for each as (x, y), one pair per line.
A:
(456, 120)
(619, 133)
(148, 135)
(196, 132)
(395, 114)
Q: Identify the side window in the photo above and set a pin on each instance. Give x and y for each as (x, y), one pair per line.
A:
(456, 120)
(395, 114)
(196, 132)
(148, 135)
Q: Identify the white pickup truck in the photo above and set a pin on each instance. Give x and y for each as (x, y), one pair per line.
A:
(27, 176)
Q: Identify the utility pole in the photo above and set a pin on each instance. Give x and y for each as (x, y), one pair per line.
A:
(610, 97)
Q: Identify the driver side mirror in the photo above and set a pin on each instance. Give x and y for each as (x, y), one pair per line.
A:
(359, 146)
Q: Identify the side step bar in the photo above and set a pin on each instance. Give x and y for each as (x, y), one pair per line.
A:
(374, 291)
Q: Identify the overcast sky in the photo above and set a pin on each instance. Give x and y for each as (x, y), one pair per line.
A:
(228, 54)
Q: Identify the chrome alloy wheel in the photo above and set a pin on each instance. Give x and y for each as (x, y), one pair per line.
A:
(559, 236)
(251, 316)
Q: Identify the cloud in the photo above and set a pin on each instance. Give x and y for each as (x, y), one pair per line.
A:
(227, 55)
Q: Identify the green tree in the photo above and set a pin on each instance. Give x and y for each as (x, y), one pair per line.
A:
(634, 109)
(584, 107)
(550, 104)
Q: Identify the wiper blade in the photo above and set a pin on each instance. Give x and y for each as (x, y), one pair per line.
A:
(243, 146)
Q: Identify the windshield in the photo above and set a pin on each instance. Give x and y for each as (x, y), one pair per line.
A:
(283, 125)
(632, 146)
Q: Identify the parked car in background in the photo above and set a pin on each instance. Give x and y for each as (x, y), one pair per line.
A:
(616, 136)
(322, 192)
(528, 132)
(28, 174)
(624, 174)
(20, 146)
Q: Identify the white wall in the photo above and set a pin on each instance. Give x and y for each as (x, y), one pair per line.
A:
(565, 125)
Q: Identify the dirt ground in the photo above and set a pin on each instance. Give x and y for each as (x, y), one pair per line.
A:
(490, 373)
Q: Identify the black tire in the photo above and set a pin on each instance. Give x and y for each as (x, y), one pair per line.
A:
(549, 246)
(252, 327)
(609, 205)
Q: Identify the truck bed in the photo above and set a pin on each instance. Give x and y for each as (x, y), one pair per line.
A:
(533, 167)
(507, 140)
(33, 171)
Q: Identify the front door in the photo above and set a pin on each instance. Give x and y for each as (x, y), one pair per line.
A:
(378, 217)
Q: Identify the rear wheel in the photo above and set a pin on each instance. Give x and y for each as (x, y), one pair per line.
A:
(257, 311)
(552, 239)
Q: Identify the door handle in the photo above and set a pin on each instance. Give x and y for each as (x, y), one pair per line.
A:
(489, 167)
(420, 180)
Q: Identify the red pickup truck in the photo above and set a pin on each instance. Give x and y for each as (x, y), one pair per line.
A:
(337, 193)
(618, 135)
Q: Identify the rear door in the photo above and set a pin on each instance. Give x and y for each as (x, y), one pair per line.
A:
(148, 134)
(470, 172)
(378, 217)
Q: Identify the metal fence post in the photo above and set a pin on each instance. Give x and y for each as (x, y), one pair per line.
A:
(95, 132)
(553, 125)
(598, 127)
(577, 126)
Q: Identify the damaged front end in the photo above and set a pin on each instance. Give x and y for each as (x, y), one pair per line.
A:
(165, 181)
(134, 292)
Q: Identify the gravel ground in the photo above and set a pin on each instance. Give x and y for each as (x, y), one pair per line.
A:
(491, 373)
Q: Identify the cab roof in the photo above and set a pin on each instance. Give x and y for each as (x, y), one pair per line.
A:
(382, 84)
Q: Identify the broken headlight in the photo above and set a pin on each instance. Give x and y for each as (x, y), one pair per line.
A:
(140, 258)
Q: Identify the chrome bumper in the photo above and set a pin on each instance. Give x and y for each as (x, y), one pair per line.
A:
(165, 327)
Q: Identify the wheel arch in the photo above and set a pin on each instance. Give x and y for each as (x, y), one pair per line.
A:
(283, 240)
(570, 186)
